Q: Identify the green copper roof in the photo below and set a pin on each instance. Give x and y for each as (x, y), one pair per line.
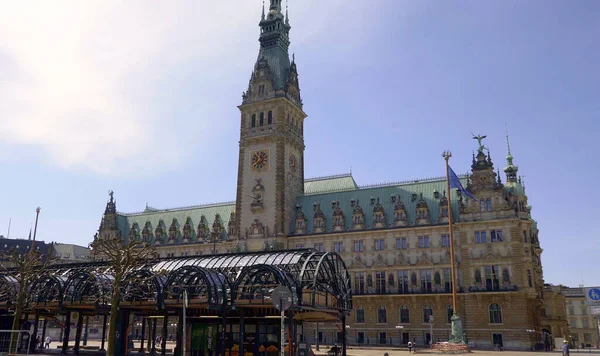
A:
(367, 196)
(336, 183)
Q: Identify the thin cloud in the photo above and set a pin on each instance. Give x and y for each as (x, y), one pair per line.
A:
(87, 83)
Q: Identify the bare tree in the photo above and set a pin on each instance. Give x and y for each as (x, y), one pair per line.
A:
(122, 258)
(22, 269)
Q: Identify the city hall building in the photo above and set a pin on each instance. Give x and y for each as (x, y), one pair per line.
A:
(393, 237)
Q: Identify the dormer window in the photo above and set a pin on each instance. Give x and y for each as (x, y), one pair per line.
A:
(300, 225)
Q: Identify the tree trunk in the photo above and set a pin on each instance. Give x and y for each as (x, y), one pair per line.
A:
(114, 314)
(18, 311)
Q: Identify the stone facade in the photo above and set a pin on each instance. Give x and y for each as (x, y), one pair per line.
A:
(583, 326)
(394, 238)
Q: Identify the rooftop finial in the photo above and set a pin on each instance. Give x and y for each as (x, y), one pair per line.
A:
(507, 141)
(287, 18)
(263, 11)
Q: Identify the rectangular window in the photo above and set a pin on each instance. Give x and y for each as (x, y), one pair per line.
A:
(482, 204)
(380, 282)
(584, 310)
(447, 280)
(426, 285)
(423, 241)
(525, 237)
(379, 245)
(571, 310)
(270, 118)
(492, 277)
(359, 245)
(261, 121)
(299, 246)
(338, 246)
(573, 324)
(480, 237)
(319, 247)
(360, 337)
(359, 282)
(529, 279)
(496, 235)
(401, 243)
(587, 337)
(402, 281)
(253, 120)
(404, 315)
(489, 204)
(445, 240)
(586, 323)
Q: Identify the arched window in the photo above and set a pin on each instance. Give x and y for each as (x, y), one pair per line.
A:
(449, 313)
(262, 119)
(360, 315)
(381, 314)
(270, 118)
(404, 315)
(253, 120)
(477, 276)
(495, 314)
(427, 313)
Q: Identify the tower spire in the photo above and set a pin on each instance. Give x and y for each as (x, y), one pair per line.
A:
(262, 18)
(510, 170)
(287, 18)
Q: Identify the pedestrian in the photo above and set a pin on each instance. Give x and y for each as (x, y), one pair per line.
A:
(565, 348)
(410, 346)
(47, 342)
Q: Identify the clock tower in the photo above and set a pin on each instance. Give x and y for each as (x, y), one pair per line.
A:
(271, 156)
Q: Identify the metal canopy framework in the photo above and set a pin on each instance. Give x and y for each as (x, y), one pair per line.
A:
(319, 282)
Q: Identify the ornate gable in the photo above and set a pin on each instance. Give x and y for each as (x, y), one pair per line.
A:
(231, 224)
(378, 215)
(203, 229)
(443, 218)
(173, 231)
(339, 220)
(358, 215)
(134, 232)
(217, 228)
(400, 215)
(319, 222)
(188, 230)
(401, 260)
(159, 232)
(380, 261)
(359, 261)
(424, 260)
(423, 212)
(300, 221)
(147, 232)
(257, 197)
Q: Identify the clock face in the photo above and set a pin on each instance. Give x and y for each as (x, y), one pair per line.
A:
(293, 163)
(259, 160)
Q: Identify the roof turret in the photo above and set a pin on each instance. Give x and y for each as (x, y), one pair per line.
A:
(510, 170)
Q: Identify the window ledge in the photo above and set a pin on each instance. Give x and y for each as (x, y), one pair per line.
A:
(495, 324)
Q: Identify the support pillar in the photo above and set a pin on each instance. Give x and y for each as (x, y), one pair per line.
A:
(44, 332)
(65, 346)
(224, 333)
(317, 337)
(153, 351)
(344, 338)
(149, 343)
(294, 333)
(78, 332)
(33, 345)
(143, 335)
(103, 333)
(85, 332)
(165, 330)
(242, 332)
(179, 336)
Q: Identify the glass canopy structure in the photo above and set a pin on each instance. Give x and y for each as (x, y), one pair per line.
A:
(231, 293)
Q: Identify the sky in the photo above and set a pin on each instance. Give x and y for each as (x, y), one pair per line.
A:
(141, 98)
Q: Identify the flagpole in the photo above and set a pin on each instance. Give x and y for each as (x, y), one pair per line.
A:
(447, 155)
(37, 214)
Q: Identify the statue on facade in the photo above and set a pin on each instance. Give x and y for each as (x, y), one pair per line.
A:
(479, 138)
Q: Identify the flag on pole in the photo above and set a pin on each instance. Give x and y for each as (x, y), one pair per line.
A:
(455, 183)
